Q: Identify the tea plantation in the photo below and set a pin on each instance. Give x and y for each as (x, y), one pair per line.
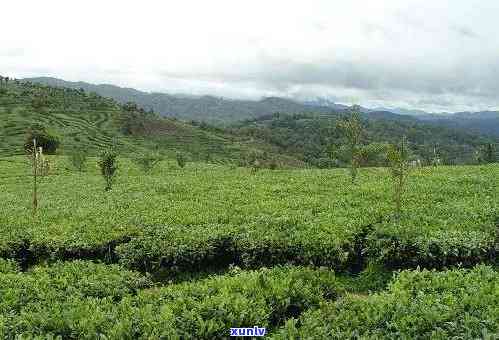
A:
(190, 252)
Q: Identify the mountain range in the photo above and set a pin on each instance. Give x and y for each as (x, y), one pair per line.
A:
(223, 111)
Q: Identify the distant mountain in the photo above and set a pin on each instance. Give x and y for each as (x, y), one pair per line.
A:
(223, 111)
(401, 111)
(204, 108)
(484, 122)
(325, 103)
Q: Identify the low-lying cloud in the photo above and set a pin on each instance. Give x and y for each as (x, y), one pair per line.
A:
(437, 56)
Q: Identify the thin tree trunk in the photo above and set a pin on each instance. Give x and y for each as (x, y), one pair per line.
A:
(35, 165)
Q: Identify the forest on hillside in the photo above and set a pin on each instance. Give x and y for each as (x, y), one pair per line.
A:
(318, 140)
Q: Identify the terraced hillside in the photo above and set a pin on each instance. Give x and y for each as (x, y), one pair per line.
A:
(88, 120)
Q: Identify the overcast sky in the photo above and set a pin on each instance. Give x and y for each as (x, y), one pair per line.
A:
(432, 55)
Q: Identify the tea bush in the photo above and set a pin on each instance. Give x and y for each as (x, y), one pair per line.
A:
(421, 304)
(86, 300)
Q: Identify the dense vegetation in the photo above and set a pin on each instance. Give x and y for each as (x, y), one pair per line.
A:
(210, 214)
(318, 140)
(81, 120)
(417, 305)
(144, 244)
(203, 108)
(83, 299)
(201, 218)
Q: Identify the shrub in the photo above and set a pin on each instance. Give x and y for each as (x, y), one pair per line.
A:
(79, 299)
(108, 166)
(44, 139)
(455, 304)
(78, 159)
(147, 161)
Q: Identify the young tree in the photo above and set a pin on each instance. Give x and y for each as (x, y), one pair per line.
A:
(181, 159)
(352, 129)
(108, 166)
(398, 156)
(489, 153)
(35, 184)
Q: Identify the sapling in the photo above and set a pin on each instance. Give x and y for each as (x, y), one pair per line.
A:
(108, 166)
(180, 159)
(35, 166)
(399, 168)
(352, 128)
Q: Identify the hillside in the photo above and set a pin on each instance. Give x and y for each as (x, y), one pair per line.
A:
(314, 138)
(481, 122)
(206, 108)
(484, 122)
(222, 111)
(93, 122)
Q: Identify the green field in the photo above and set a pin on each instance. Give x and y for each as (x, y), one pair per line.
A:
(180, 252)
(206, 211)
(190, 252)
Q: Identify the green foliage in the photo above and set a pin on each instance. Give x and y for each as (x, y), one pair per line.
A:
(489, 153)
(79, 119)
(54, 300)
(78, 159)
(108, 166)
(298, 216)
(147, 161)
(45, 139)
(8, 266)
(253, 159)
(40, 101)
(207, 219)
(398, 162)
(373, 154)
(181, 160)
(418, 304)
(313, 137)
(77, 299)
(352, 128)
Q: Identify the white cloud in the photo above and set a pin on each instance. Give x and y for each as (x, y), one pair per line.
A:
(434, 55)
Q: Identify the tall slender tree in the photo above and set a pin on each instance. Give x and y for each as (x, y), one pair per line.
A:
(398, 156)
(352, 129)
